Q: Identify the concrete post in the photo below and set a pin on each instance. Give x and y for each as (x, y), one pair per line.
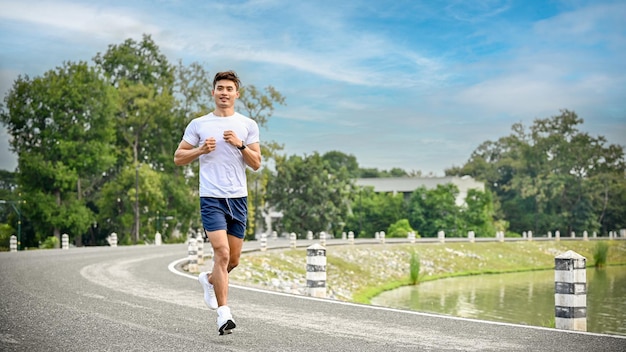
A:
(65, 241)
(158, 239)
(351, 237)
(382, 237)
(343, 235)
(573, 234)
(585, 236)
(549, 234)
(524, 236)
(200, 247)
(263, 242)
(500, 236)
(113, 240)
(192, 251)
(411, 237)
(316, 270)
(323, 238)
(274, 235)
(309, 235)
(557, 235)
(471, 236)
(441, 236)
(13, 243)
(570, 291)
(292, 240)
(530, 235)
(595, 234)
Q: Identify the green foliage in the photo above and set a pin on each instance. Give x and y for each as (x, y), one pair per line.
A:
(62, 131)
(373, 212)
(415, 268)
(50, 242)
(311, 195)
(400, 228)
(552, 176)
(600, 253)
(6, 231)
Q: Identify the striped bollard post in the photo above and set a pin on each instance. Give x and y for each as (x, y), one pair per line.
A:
(200, 246)
(441, 236)
(316, 270)
(292, 240)
(112, 239)
(263, 242)
(570, 291)
(65, 241)
(471, 236)
(351, 237)
(13, 243)
(192, 251)
(323, 238)
(158, 239)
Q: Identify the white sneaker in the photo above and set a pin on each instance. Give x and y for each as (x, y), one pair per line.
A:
(225, 321)
(209, 292)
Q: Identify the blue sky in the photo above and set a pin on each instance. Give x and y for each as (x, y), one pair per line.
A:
(411, 84)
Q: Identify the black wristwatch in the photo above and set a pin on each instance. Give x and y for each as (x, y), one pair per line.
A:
(243, 146)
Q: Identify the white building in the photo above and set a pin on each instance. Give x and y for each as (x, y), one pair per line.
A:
(407, 185)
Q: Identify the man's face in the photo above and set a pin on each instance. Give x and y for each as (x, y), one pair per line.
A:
(225, 92)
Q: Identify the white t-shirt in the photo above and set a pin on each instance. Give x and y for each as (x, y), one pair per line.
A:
(222, 171)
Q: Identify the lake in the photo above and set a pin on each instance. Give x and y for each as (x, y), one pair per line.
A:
(520, 298)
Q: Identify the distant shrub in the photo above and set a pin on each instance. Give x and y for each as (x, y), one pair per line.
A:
(400, 229)
(600, 254)
(50, 242)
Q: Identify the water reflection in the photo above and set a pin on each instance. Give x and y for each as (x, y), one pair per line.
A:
(520, 298)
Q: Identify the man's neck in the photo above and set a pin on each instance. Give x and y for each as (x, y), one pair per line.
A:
(224, 112)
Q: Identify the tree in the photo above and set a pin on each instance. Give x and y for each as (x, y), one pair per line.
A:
(62, 130)
(311, 196)
(431, 211)
(552, 176)
(373, 212)
(145, 119)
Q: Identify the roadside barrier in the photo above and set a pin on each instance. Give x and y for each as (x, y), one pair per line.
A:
(200, 247)
(263, 242)
(316, 270)
(192, 252)
(13, 243)
(65, 241)
(292, 240)
(570, 291)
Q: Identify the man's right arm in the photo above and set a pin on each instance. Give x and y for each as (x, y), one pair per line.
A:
(186, 153)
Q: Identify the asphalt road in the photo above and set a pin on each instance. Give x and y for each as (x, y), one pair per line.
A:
(131, 299)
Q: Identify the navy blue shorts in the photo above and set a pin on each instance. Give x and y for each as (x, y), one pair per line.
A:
(228, 214)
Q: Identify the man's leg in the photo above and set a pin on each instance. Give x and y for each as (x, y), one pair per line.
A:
(221, 259)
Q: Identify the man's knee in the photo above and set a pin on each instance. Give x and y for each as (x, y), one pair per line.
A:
(233, 264)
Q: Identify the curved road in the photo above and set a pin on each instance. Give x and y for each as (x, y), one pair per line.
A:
(126, 299)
